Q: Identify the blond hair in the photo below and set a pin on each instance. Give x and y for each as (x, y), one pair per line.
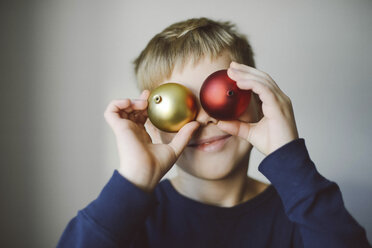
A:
(189, 40)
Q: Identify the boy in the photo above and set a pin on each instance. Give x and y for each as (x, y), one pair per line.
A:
(211, 202)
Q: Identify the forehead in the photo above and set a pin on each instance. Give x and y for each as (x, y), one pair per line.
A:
(193, 75)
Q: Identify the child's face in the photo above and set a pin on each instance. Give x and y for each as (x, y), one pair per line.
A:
(214, 160)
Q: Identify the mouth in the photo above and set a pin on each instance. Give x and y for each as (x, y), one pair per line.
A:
(212, 144)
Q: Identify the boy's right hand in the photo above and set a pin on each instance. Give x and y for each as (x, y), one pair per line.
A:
(141, 161)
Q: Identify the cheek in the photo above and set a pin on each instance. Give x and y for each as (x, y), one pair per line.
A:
(242, 147)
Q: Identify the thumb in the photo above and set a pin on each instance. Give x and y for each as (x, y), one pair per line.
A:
(183, 137)
(237, 128)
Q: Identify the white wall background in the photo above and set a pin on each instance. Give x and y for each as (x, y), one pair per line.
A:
(63, 61)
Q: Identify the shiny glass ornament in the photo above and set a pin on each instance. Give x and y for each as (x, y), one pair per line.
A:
(221, 98)
(171, 106)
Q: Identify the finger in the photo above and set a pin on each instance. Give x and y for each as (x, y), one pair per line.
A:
(145, 94)
(253, 71)
(138, 113)
(264, 92)
(114, 108)
(244, 79)
(183, 137)
(237, 75)
(120, 108)
(137, 104)
(138, 116)
(249, 69)
(236, 128)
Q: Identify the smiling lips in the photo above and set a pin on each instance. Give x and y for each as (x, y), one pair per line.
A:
(208, 140)
(212, 144)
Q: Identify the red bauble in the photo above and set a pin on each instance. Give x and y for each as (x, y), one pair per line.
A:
(221, 98)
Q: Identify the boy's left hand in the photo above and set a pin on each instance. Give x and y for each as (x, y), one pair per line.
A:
(277, 127)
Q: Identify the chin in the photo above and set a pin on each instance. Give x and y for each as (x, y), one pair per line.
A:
(204, 176)
(211, 172)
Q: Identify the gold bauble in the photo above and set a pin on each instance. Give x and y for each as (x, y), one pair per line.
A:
(171, 106)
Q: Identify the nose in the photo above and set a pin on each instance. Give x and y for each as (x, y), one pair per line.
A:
(203, 118)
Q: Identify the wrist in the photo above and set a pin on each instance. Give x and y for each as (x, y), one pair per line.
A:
(146, 181)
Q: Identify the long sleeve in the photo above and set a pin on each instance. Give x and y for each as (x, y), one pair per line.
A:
(311, 201)
(111, 220)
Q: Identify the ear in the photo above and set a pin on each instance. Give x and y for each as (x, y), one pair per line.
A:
(153, 132)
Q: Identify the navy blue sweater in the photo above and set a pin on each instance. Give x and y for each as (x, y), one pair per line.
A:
(300, 208)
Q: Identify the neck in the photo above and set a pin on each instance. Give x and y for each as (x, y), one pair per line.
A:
(229, 191)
